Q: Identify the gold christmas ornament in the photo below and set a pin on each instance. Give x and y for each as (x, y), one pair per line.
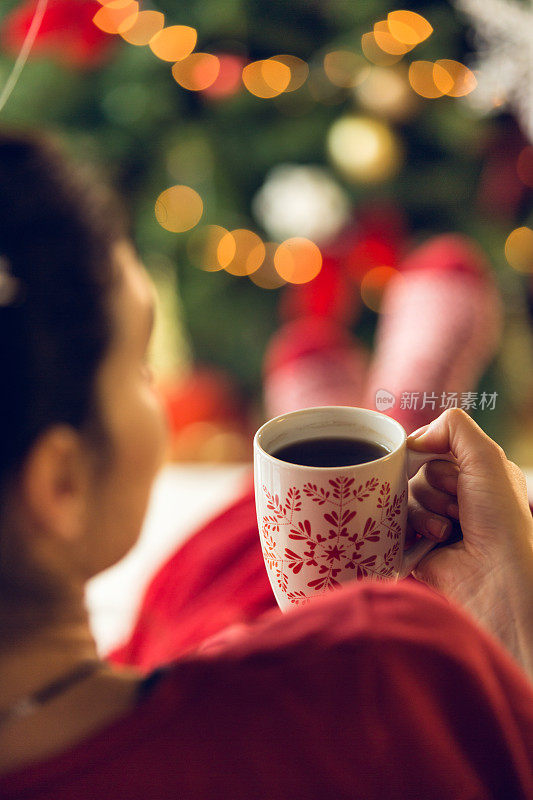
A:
(364, 149)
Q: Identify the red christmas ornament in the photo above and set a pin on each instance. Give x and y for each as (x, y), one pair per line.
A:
(500, 188)
(331, 294)
(439, 327)
(229, 79)
(378, 240)
(67, 33)
(204, 395)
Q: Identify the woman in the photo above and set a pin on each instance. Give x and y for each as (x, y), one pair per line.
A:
(373, 691)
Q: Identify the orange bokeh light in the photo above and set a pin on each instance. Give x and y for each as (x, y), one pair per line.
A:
(519, 249)
(179, 208)
(276, 75)
(241, 252)
(373, 285)
(146, 25)
(116, 15)
(387, 42)
(298, 68)
(298, 260)
(174, 43)
(196, 72)
(422, 80)
(375, 54)
(266, 79)
(408, 27)
(462, 80)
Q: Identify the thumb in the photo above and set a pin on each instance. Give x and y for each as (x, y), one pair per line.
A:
(455, 431)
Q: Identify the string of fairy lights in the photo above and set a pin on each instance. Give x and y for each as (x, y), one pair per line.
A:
(180, 208)
(298, 260)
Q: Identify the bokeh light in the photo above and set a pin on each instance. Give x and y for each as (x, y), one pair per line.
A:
(197, 71)
(408, 27)
(373, 285)
(173, 43)
(364, 149)
(241, 252)
(229, 79)
(444, 77)
(276, 75)
(375, 54)
(345, 68)
(519, 249)
(203, 247)
(116, 15)
(463, 81)
(146, 25)
(298, 69)
(179, 208)
(386, 91)
(267, 276)
(298, 260)
(267, 78)
(422, 79)
(387, 42)
(524, 166)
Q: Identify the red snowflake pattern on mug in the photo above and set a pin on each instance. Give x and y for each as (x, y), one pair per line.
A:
(342, 543)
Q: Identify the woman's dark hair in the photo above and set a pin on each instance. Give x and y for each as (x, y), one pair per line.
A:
(58, 225)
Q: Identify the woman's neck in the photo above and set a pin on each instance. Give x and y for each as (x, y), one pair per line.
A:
(28, 663)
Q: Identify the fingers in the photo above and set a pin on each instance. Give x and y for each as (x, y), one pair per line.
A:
(454, 430)
(442, 475)
(427, 523)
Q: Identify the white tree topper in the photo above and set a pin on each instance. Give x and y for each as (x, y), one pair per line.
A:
(504, 37)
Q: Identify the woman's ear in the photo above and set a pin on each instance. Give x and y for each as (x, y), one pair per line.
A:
(55, 483)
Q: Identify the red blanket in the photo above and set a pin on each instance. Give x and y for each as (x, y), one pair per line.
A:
(214, 580)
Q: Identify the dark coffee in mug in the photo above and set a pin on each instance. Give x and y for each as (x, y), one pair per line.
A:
(330, 452)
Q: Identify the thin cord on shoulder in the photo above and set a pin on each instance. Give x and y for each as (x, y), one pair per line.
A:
(10, 287)
(24, 52)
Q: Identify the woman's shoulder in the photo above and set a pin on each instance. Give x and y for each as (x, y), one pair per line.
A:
(404, 620)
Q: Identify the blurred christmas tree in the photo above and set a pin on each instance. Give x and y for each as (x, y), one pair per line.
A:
(368, 155)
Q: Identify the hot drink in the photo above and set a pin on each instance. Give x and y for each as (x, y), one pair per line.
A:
(330, 452)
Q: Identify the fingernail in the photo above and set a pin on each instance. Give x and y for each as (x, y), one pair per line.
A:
(453, 510)
(417, 433)
(436, 527)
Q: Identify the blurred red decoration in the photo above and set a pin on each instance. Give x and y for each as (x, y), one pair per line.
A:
(67, 33)
(313, 361)
(207, 417)
(229, 79)
(440, 327)
(205, 394)
(524, 166)
(500, 187)
(331, 294)
(379, 239)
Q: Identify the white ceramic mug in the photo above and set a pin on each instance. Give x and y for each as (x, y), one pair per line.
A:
(322, 526)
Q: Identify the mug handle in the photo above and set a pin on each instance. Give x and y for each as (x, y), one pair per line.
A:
(415, 460)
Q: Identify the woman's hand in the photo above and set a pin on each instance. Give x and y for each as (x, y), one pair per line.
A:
(490, 571)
